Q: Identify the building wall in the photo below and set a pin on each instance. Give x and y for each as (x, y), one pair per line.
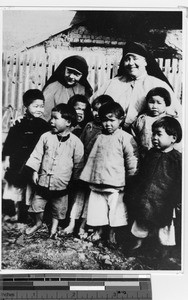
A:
(163, 43)
(80, 38)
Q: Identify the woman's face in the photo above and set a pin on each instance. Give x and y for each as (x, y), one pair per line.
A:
(72, 76)
(135, 64)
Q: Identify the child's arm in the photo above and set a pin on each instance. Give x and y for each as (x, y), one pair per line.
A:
(78, 160)
(35, 159)
(134, 130)
(131, 156)
(178, 179)
(35, 177)
(137, 126)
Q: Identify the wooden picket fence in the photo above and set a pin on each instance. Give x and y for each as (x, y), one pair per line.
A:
(31, 70)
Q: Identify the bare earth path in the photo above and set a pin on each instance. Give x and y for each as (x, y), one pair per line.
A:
(38, 252)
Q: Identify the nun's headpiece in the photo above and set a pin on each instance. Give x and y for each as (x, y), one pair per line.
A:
(76, 62)
(152, 67)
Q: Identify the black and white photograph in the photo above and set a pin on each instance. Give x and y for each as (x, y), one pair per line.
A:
(92, 139)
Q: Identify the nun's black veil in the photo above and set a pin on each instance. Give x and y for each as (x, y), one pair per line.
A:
(152, 67)
(77, 62)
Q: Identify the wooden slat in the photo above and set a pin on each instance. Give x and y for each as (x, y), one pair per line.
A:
(20, 80)
(5, 84)
(11, 89)
(31, 70)
(25, 71)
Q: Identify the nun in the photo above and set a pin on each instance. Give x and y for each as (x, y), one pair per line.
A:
(138, 73)
(69, 79)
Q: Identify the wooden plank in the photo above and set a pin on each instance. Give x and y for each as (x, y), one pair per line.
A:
(114, 69)
(180, 85)
(174, 72)
(109, 63)
(91, 71)
(5, 85)
(12, 85)
(91, 75)
(20, 80)
(37, 74)
(161, 64)
(101, 64)
(24, 71)
(43, 69)
(49, 67)
(31, 69)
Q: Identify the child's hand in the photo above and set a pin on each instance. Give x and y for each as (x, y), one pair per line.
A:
(18, 119)
(35, 177)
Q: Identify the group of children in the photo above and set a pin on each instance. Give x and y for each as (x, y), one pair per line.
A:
(82, 165)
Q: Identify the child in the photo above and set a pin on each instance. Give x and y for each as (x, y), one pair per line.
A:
(159, 184)
(83, 111)
(20, 142)
(88, 137)
(94, 128)
(157, 100)
(55, 160)
(112, 160)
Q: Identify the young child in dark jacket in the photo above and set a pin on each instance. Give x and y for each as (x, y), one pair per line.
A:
(158, 191)
(20, 142)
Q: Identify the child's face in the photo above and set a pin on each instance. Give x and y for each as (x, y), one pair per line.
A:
(72, 76)
(95, 113)
(111, 123)
(36, 108)
(58, 123)
(80, 108)
(161, 140)
(156, 106)
(135, 64)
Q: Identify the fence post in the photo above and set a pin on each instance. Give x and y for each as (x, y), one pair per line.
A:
(31, 69)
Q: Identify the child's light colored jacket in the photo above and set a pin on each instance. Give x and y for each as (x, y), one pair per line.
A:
(56, 162)
(112, 159)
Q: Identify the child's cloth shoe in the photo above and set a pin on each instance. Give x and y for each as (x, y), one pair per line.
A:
(31, 230)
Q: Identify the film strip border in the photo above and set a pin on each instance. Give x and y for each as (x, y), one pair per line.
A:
(75, 286)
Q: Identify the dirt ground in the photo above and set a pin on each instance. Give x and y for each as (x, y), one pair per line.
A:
(39, 252)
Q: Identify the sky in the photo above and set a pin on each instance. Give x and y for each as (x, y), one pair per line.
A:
(24, 28)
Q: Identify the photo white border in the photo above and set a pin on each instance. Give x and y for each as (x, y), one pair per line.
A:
(166, 285)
